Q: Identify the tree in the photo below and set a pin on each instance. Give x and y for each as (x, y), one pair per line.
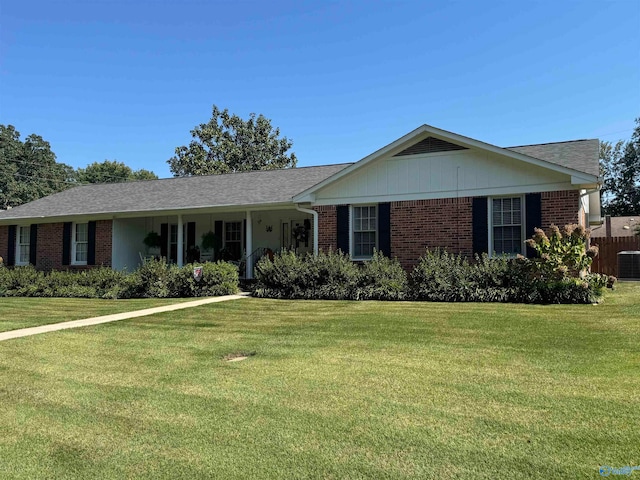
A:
(620, 168)
(227, 144)
(112, 172)
(28, 170)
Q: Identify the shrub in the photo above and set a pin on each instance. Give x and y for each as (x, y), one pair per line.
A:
(560, 272)
(563, 254)
(20, 281)
(441, 276)
(152, 279)
(107, 282)
(329, 275)
(382, 278)
(155, 278)
(220, 278)
(282, 277)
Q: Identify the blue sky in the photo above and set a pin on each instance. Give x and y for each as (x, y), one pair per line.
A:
(128, 80)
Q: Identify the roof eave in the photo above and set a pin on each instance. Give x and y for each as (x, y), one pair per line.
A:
(146, 213)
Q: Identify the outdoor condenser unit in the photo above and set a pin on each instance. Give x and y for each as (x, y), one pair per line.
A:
(629, 265)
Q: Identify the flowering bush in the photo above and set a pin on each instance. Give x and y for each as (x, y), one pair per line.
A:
(560, 273)
(562, 254)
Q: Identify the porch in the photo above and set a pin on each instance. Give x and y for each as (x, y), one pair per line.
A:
(240, 237)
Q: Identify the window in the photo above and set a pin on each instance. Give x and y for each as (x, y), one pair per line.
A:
(173, 243)
(233, 239)
(506, 225)
(365, 231)
(80, 243)
(23, 237)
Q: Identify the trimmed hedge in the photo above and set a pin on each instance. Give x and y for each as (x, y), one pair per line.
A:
(558, 275)
(439, 276)
(329, 276)
(153, 279)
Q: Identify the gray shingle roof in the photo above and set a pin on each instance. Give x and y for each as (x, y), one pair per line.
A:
(580, 155)
(235, 189)
(242, 189)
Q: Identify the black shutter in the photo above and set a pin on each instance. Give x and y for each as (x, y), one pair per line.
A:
(91, 243)
(191, 235)
(480, 225)
(11, 246)
(217, 231)
(33, 244)
(384, 228)
(66, 243)
(164, 239)
(533, 217)
(342, 228)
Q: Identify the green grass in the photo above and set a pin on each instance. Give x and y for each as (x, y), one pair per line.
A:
(334, 390)
(31, 312)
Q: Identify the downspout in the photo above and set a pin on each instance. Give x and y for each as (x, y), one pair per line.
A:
(315, 226)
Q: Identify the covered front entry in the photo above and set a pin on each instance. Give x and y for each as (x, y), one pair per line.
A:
(241, 237)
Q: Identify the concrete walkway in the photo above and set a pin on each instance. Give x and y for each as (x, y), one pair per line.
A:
(25, 332)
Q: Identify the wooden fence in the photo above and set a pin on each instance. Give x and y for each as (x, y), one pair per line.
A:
(607, 260)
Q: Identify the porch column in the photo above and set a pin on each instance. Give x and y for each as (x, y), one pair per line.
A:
(249, 236)
(180, 258)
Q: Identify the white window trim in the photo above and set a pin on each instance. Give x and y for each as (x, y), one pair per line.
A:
(224, 233)
(18, 244)
(352, 231)
(523, 207)
(73, 243)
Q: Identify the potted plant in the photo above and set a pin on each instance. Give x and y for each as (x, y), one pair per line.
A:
(153, 242)
(211, 242)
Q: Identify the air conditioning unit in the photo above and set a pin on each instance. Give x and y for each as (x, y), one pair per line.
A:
(629, 265)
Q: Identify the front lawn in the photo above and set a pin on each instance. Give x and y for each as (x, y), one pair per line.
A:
(329, 390)
(18, 312)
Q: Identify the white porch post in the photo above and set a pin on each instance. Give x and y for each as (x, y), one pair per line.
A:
(180, 258)
(249, 234)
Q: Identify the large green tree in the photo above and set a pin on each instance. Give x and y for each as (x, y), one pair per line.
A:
(620, 168)
(28, 169)
(111, 171)
(227, 143)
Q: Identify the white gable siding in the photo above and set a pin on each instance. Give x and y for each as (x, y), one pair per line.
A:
(441, 175)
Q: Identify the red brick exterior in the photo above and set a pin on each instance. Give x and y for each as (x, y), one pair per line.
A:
(4, 242)
(561, 208)
(49, 247)
(49, 250)
(104, 242)
(327, 227)
(420, 224)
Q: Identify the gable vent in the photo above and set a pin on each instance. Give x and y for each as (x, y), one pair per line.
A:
(430, 145)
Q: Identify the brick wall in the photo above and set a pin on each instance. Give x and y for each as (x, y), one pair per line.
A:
(561, 208)
(420, 224)
(327, 227)
(4, 241)
(103, 242)
(49, 250)
(49, 254)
